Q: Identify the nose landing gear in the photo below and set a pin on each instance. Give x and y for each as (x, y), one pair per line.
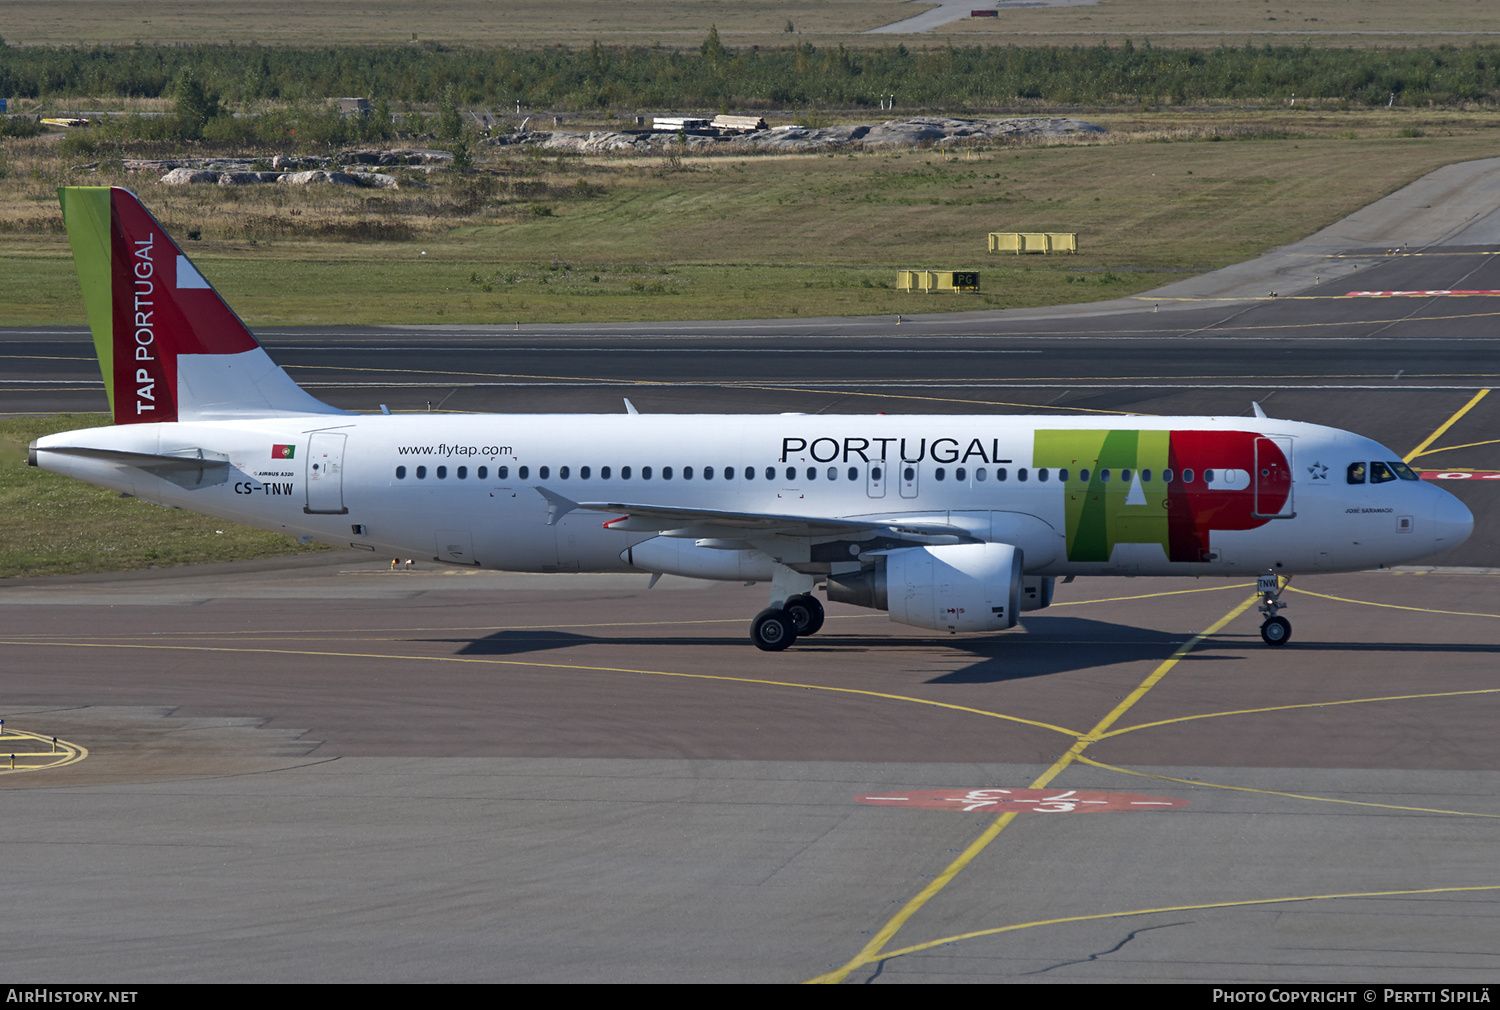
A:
(1275, 630)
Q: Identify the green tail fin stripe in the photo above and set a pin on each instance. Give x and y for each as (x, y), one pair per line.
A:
(86, 213)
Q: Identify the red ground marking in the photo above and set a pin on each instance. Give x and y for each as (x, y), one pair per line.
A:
(1413, 294)
(1038, 801)
(1459, 474)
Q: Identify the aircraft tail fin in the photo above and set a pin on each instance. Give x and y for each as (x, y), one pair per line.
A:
(169, 347)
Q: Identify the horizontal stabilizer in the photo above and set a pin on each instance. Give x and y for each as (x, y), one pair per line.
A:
(187, 468)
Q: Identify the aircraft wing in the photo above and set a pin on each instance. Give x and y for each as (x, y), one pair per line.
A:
(644, 517)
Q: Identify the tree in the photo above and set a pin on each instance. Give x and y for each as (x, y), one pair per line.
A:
(712, 47)
(195, 107)
(450, 125)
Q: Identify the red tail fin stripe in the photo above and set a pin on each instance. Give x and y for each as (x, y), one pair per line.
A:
(163, 308)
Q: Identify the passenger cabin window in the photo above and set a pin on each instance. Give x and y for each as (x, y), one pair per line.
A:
(484, 472)
(502, 473)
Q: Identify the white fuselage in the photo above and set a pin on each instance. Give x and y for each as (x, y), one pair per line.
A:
(463, 489)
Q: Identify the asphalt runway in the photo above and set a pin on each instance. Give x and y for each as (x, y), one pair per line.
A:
(325, 770)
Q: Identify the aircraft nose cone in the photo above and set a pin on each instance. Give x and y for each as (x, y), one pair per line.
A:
(1452, 523)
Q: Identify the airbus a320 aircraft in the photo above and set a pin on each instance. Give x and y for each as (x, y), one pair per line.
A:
(953, 523)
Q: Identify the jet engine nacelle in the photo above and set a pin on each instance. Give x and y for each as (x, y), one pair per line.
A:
(955, 587)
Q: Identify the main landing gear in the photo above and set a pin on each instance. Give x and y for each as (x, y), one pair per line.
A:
(774, 630)
(1275, 630)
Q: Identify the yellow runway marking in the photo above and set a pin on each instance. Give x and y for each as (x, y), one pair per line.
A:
(1152, 596)
(1445, 426)
(1275, 792)
(917, 948)
(381, 634)
(948, 399)
(65, 754)
(1389, 254)
(481, 375)
(1392, 606)
(872, 951)
(1309, 326)
(491, 661)
(1447, 448)
(1305, 704)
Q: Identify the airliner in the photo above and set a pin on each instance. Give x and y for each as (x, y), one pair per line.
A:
(955, 523)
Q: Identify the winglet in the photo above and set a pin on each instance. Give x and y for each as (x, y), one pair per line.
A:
(630, 407)
(557, 505)
(1258, 411)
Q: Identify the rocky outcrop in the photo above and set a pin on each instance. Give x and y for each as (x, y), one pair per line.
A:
(188, 176)
(922, 131)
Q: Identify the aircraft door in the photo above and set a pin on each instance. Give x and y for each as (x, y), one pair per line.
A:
(876, 475)
(907, 477)
(1272, 479)
(325, 474)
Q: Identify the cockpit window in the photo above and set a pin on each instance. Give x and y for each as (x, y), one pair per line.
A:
(1380, 473)
(1357, 472)
(1403, 471)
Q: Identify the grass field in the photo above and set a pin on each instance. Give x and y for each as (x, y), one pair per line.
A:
(549, 239)
(741, 22)
(746, 237)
